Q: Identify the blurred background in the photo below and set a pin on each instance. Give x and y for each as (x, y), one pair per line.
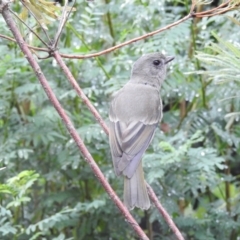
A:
(49, 192)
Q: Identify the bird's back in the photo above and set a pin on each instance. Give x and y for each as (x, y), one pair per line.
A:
(130, 104)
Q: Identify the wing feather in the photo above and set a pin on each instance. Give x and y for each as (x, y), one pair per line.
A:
(133, 121)
(128, 144)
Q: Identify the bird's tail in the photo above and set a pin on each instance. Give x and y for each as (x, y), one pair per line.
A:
(135, 191)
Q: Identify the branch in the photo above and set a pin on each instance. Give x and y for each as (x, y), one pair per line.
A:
(79, 91)
(29, 46)
(22, 44)
(37, 20)
(8, 38)
(127, 42)
(73, 132)
(222, 8)
(28, 27)
(152, 195)
(164, 213)
(62, 22)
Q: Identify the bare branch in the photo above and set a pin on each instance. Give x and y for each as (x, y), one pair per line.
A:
(65, 15)
(8, 38)
(28, 27)
(37, 20)
(224, 7)
(69, 125)
(127, 42)
(152, 195)
(79, 91)
(227, 6)
(29, 46)
(164, 213)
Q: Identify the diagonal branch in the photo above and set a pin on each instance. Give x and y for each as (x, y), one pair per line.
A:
(227, 6)
(63, 19)
(37, 20)
(224, 7)
(80, 92)
(127, 42)
(28, 27)
(77, 88)
(164, 213)
(100, 120)
(22, 44)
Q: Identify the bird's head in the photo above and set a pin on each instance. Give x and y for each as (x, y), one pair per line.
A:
(151, 69)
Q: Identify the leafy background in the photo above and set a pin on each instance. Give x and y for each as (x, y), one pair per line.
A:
(47, 189)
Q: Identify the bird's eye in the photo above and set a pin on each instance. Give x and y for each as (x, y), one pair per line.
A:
(156, 62)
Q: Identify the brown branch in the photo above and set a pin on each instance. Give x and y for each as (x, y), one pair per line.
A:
(214, 9)
(222, 8)
(8, 38)
(127, 42)
(63, 19)
(119, 45)
(29, 46)
(28, 27)
(79, 91)
(212, 12)
(22, 44)
(164, 213)
(152, 195)
(78, 140)
(37, 20)
(69, 125)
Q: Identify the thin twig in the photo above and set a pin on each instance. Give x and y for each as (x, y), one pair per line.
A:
(37, 21)
(214, 9)
(128, 42)
(28, 27)
(8, 38)
(192, 14)
(212, 12)
(62, 23)
(29, 46)
(224, 10)
(164, 213)
(73, 132)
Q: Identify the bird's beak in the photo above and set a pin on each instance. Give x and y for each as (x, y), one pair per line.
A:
(169, 59)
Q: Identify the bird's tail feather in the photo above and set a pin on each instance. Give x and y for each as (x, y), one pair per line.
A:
(135, 191)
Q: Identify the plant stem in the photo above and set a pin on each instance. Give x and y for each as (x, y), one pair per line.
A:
(227, 188)
(197, 63)
(110, 25)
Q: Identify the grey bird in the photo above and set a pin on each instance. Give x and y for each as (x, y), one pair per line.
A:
(135, 112)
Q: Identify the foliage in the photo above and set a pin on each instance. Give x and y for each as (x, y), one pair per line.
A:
(48, 191)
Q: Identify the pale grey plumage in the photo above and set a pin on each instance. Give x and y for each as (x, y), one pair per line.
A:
(134, 115)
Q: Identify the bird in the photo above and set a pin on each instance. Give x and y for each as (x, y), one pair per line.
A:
(135, 112)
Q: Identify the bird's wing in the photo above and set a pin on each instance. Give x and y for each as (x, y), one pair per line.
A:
(134, 114)
(128, 143)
